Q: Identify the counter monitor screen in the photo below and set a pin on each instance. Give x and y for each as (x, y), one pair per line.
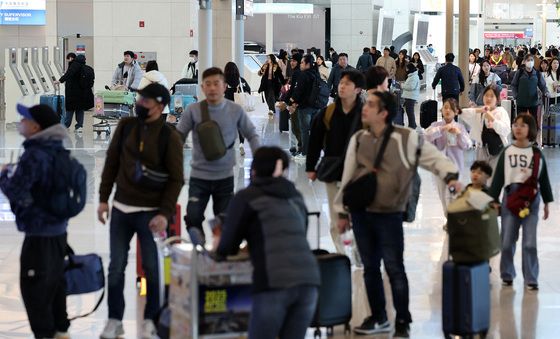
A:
(23, 13)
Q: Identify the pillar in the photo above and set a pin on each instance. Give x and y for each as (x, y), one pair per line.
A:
(269, 31)
(463, 55)
(224, 32)
(449, 26)
(205, 37)
(240, 43)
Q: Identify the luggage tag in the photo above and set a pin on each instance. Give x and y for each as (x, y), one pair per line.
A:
(479, 200)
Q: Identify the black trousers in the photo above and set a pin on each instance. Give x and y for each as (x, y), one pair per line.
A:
(42, 284)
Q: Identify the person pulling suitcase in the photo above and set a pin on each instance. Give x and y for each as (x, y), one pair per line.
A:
(374, 168)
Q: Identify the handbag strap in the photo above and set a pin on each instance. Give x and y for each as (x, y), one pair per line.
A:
(240, 87)
(94, 308)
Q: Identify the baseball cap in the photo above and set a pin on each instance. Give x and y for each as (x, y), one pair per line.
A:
(157, 92)
(41, 114)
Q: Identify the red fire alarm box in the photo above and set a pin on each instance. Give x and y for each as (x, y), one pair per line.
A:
(191, 33)
(141, 23)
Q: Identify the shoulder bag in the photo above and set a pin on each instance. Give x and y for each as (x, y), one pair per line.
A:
(244, 99)
(491, 139)
(521, 199)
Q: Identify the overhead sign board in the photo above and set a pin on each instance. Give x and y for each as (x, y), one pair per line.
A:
(282, 8)
(504, 35)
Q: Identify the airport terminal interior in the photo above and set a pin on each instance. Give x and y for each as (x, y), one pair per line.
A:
(36, 36)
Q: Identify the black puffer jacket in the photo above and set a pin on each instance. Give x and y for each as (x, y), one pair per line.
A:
(77, 98)
(271, 215)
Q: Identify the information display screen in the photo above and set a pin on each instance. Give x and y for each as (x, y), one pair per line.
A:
(22, 12)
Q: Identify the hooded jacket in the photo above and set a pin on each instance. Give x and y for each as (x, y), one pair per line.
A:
(134, 75)
(304, 86)
(77, 98)
(411, 87)
(271, 215)
(30, 180)
(153, 77)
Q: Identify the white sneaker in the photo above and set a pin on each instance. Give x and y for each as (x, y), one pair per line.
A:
(241, 150)
(79, 130)
(149, 330)
(113, 329)
(62, 335)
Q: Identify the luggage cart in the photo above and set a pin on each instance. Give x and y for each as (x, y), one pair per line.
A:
(110, 107)
(208, 299)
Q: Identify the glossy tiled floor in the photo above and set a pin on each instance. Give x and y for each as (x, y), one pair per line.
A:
(516, 314)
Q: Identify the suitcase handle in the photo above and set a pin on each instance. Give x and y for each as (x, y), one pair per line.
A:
(317, 214)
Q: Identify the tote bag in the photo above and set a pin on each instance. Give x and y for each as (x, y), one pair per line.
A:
(245, 100)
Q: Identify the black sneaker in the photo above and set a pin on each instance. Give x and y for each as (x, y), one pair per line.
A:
(507, 283)
(533, 287)
(371, 326)
(402, 330)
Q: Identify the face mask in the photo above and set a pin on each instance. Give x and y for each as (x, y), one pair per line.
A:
(192, 60)
(142, 112)
(530, 64)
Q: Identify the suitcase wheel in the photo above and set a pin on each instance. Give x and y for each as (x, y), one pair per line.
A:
(330, 331)
(317, 333)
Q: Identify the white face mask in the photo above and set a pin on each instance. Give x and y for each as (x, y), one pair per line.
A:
(192, 59)
(530, 64)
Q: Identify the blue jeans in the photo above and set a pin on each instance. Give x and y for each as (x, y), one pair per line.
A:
(79, 118)
(200, 191)
(122, 229)
(305, 116)
(284, 314)
(510, 234)
(380, 236)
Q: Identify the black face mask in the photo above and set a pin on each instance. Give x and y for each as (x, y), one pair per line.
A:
(142, 112)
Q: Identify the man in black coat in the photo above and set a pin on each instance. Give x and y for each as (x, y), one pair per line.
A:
(78, 97)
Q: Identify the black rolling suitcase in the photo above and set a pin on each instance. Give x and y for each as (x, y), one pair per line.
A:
(334, 306)
(465, 299)
(428, 112)
(284, 123)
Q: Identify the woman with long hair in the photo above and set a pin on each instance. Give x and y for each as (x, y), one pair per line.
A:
(552, 80)
(485, 78)
(324, 71)
(474, 68)
(417, 62)
(271, 82)
(400, 73)
(235, 83)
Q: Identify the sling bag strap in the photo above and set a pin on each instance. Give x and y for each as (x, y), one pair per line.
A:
(379, 157)
(536, 163)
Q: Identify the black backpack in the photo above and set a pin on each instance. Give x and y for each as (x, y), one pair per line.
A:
(319, 96)
(87, 77)
(69, 185)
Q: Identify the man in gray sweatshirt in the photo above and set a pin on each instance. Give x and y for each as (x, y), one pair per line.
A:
(214, 178)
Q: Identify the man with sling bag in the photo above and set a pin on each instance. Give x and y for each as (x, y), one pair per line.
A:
(330, 133)
(215, 123)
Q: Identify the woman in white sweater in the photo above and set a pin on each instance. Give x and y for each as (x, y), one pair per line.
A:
(552, 83)
(490, 126)
(153, 75)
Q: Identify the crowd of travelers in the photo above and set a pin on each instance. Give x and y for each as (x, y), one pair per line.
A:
(343, 120)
